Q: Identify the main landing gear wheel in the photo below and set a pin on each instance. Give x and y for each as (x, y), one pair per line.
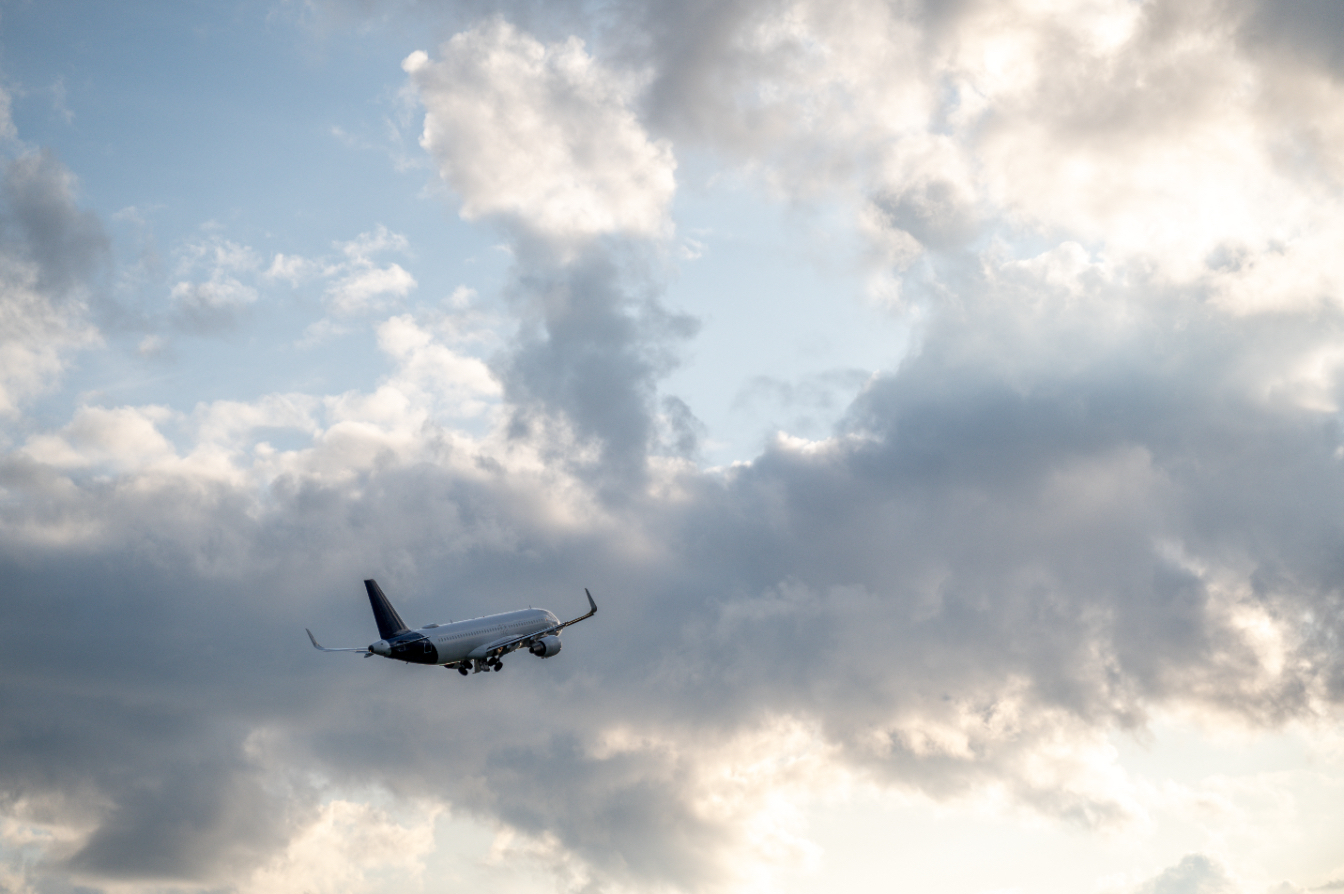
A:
(462, 671)
(499, 665)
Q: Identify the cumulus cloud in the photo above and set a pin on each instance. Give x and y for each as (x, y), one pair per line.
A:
(541, 137)
(122, 438)
(219, 300)
(220, 281)
(358, 283)
(545, 141)
(349, 846)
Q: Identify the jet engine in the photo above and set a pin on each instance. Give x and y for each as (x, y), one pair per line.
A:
(546, 647)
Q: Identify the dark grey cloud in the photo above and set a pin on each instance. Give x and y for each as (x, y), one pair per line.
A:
(699, 62)
(595, 343)
(51, 255)
(42, 222)
(1310, 31)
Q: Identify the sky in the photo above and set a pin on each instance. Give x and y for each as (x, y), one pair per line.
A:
(942, 401)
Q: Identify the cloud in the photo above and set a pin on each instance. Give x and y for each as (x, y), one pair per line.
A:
(349, 846)
(583, 373)
(291, 268)
(359, 284)
(1006, 554)
(1195, 874)
(220, 301)
(540, 137)
(7, 129)
(212, 305)
(220, 282)
(545, 142)
(1299, 33)
(793, 404)
(359, 290)
(50, 255)
(1103, 483)
(122, 438)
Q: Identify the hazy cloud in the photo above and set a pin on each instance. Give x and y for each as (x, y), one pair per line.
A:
(1195, 874)
(50, 251)
(7, 129)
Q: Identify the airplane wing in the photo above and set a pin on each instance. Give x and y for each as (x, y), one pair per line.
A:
(323, 648)
(510, 641)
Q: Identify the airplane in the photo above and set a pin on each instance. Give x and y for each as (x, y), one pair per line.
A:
(467, 646)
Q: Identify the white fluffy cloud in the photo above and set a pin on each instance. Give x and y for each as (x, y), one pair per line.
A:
(211, 294)
(349, 847)
(38, 335)
(542, 137)
(358, 283)
(119, 439)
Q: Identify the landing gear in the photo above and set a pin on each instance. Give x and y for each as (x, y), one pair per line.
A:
(480, 664)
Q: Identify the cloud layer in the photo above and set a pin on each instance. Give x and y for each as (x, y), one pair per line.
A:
(1105, 482)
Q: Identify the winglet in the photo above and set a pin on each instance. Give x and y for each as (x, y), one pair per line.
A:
(313, 638)
(592, 606)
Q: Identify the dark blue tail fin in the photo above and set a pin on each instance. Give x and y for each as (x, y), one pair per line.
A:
(389, 622)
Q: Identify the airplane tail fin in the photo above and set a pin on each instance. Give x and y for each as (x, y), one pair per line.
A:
(389, 622)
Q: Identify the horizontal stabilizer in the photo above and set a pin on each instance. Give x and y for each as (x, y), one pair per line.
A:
(322, 648)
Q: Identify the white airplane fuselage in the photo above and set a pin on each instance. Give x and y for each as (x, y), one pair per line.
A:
(473, 645)
(460, 641)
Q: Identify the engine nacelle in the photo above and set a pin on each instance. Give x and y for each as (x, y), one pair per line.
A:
(546, 647)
